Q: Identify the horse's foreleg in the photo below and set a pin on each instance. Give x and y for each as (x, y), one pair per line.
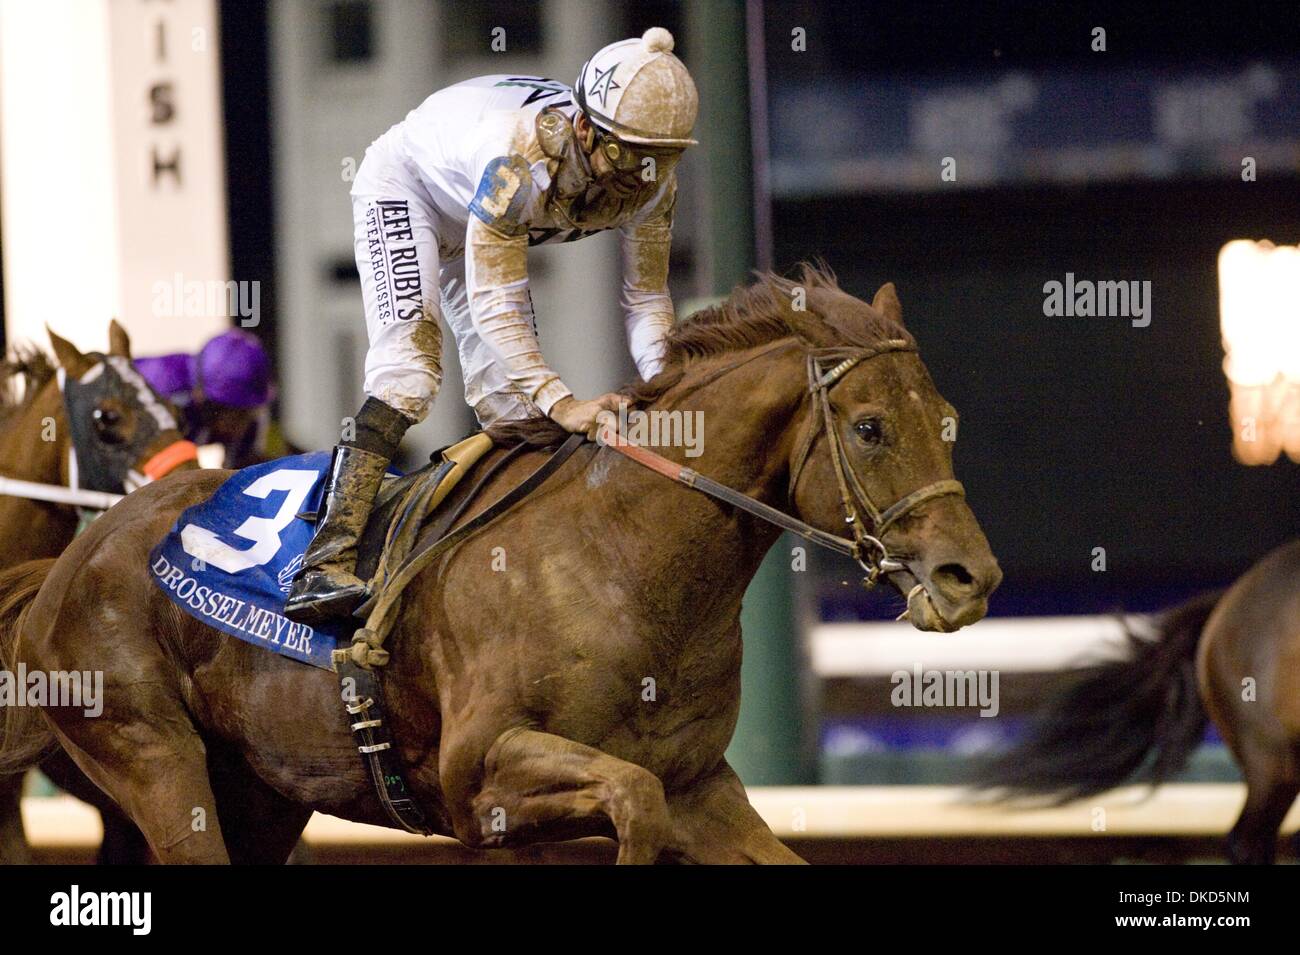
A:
(713, 823)
(260, 826)
(539, 787)
(13, 841)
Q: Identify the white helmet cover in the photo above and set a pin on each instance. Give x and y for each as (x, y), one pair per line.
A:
(637, 90)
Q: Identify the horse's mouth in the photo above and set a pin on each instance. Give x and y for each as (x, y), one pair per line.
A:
(924, 611)
(924, 614)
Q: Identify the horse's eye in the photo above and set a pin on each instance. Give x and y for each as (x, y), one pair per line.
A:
(106, 422)
(869, 430)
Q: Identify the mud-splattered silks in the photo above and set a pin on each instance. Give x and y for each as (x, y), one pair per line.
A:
(230, 560)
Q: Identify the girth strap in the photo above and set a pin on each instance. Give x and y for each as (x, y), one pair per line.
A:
(364, 703)
(447, 520)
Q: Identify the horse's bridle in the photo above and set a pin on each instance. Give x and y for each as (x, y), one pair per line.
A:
(94, 488)
(96, 466)
(868, 549)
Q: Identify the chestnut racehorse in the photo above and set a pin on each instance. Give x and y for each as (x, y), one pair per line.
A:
(1233, 656)
(35, 441)
(517, 695)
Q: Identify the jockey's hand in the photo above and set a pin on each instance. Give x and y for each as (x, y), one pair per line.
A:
(586, 417)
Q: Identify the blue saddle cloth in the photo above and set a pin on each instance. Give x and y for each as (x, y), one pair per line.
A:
(229, 561)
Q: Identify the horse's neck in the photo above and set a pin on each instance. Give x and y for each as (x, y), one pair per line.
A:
(34, 442)
(751, 419)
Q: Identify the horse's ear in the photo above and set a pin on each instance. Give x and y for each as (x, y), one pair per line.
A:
(119, 342)
(886, 302)
(72, 361)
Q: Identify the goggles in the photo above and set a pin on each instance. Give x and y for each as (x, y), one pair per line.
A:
(628, 157)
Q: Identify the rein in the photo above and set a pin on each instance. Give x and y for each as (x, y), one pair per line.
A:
(868, 549)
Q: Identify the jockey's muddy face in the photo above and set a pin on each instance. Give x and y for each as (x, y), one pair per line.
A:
(897, 432)
(607, 202)
(624, 174)
(629, 168)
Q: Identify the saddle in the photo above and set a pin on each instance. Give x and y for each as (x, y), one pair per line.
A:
(404, 503)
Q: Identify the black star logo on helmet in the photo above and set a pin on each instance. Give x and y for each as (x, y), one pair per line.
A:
(604, 83)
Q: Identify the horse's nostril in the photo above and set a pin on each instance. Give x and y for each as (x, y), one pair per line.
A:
(954, 579)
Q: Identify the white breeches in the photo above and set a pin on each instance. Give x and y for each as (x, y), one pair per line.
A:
(405, 289)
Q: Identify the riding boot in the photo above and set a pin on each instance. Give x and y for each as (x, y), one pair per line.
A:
(327, 587)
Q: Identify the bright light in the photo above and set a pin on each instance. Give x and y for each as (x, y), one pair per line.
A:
(113, 181)
(1259, 308)
(61, 246)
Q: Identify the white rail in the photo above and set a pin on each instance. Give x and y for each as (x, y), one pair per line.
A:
(1008, 644)
(829, 812)
(58, 494)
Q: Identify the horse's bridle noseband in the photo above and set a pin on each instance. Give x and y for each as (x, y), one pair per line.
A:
(869, 549)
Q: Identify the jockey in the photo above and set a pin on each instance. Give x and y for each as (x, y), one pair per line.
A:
(445, 206)
(223, 393)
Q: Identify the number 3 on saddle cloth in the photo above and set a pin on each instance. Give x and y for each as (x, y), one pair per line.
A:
(229, 560)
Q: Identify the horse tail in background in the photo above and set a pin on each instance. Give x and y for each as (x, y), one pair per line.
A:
(1133, 720)
(25, 738)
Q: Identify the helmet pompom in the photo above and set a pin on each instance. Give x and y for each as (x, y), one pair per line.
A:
(657, 40)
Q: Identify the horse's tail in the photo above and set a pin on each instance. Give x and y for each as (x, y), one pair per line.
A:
(25, 738)
(1137, 719)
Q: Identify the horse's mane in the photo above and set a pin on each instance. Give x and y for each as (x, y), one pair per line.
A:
(751, 315)
(23, 374)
